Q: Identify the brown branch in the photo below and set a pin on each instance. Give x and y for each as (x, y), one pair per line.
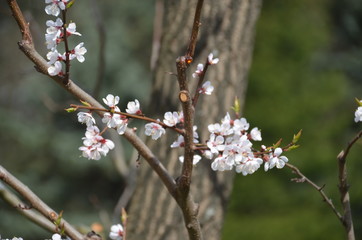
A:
(188, 111)
(195, 31)
(140, 117)
(303, 178)
(37, 203)
(344, 186)
(32, 215)
(66, 46)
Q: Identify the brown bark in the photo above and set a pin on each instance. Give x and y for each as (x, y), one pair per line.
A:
(228, 28)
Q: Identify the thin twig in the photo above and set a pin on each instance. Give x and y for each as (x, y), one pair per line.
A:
(195, 30)
(303, 178)
(37, 203)
(66, 46)
(344, 186)
(135, 116)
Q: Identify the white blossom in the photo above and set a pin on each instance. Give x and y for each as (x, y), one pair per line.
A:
(87, 118)
(116, 232)
(78, 52)
(199, 70)
(55, 69)
(220, 164)
(133, 107)
(111, 101)
(255, 134)
(154, 130)
(249, 167)
(72, 29)
(179, 142)
(56, 236)
(358, 115)
(211, 60)
(206, 88)
(276, 160)
(171, 119)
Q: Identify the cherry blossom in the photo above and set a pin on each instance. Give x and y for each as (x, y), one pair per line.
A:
(249, 167)
(220, 164)
(133, 107)
(56, 236)
(255, 134)
(154, 130)
(206, 88)
(122, 126)
(216, 143)
(171, 119)
(358, 114)
(211, 60)
(87, 118)
(199, 70)
(111, 101)
(55, 6)
(78, 52)
(54, 56)
(54, 27)
(94, 144)
(116, 232)
(275, 160)
(112, 120)
(55, 69)
(72, 29)
(180, 142)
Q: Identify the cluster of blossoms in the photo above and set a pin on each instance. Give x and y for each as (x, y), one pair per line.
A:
(358, 112)
(56, 32)
(94, 145)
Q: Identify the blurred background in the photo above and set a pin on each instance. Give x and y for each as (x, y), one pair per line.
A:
(306, 72)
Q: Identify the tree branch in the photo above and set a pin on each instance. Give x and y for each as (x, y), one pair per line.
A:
(344, 186)
(29, 213)
(195, 30)
(303, 178)
(37, 203)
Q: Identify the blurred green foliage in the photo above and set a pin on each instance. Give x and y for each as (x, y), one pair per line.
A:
(305, 75)
(294, 84)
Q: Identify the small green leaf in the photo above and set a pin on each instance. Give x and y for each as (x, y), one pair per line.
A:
(70, 110)
(236, 106)
(359, 102)
(292, 147)
(85, 103)
(277, 144)
(70, 4)
(297, 136)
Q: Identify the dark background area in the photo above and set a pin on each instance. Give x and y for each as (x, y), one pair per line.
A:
(305, 75)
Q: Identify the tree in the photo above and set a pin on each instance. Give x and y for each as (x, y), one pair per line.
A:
(228, 28)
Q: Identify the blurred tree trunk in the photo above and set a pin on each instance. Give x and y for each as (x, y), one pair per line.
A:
(227, 29)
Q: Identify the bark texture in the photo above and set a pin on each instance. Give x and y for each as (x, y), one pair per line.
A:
(227, 30)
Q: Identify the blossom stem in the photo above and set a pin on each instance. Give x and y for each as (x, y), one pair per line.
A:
(180, 131)
(199, 83)
(66, 46)
(303, 178)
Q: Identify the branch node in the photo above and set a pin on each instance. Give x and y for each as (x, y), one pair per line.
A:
(184, 96)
